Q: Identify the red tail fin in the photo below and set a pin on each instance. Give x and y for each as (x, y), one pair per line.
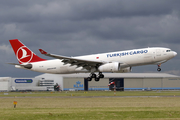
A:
(23, 53)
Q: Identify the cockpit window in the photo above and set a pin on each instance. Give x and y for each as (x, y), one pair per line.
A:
(168, 50)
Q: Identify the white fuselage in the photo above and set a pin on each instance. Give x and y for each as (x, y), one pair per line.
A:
(129, 58)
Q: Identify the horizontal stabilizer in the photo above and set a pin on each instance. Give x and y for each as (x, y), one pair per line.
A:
(28, 66)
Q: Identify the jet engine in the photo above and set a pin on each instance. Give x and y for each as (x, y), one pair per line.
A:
(110, 67)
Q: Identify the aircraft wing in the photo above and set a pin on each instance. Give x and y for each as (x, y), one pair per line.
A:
(87, 64)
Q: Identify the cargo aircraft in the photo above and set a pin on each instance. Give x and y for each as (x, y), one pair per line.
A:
(115, 62)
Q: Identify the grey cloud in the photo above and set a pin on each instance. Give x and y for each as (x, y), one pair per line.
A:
(84, 27)
(56, 10)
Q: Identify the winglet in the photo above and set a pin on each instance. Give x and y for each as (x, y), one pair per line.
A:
(42, 51)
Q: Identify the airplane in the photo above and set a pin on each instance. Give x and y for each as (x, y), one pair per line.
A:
(115, 62)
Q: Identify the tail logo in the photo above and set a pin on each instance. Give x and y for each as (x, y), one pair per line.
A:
(24, 55)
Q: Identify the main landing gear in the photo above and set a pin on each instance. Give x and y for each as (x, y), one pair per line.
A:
(159, 67)
(96, 77)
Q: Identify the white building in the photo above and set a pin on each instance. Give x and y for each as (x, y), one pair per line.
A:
(124, 81)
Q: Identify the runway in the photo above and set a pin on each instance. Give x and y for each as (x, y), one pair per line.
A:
(91, 97)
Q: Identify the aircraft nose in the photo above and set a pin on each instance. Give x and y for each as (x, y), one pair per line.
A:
(174, 53)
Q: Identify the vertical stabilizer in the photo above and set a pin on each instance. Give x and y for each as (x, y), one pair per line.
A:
(23, 53)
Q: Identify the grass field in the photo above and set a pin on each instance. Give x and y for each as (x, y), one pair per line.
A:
(145, 105)
(91, 93)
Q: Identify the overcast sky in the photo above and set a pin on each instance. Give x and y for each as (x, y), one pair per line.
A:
(81, 27)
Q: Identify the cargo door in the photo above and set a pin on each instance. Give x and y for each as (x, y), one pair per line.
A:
(158, 55)
(148, 57)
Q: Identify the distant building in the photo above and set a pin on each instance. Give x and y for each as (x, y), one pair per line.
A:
(72, 82)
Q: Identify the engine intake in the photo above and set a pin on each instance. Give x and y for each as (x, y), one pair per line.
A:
(110, 67)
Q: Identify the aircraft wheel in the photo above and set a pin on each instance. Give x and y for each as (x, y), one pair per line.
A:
(89, 78)
(97, 79)
(159, 69)
(93, 75)
(101, 76)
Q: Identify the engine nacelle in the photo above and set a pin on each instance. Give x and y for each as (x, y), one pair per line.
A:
(125, 70)
(110, 67)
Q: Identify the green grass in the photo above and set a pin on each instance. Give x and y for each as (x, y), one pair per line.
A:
(92, 93)
(89, 113)
(70, 107)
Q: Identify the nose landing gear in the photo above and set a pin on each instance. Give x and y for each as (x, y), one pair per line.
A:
(159, 67)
